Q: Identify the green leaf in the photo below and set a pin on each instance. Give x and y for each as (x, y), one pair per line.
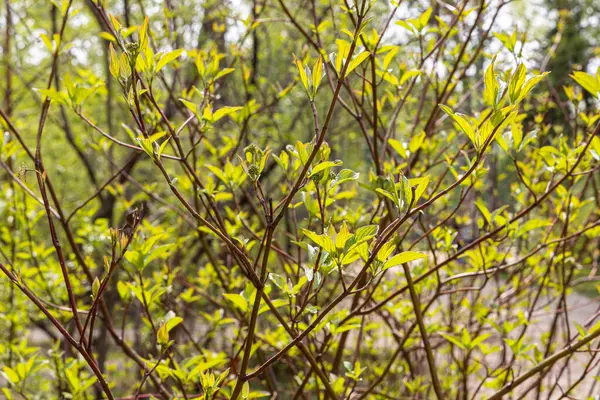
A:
(453, 339)
(157, 252)
(124, 290)
(530, 84)
(324, 165)
(405, 25)
(224, 111)
(115, 22)
(509, 42)
(424, 19)
(492, 87)
(223, 72)
(162, 147)
(386, 250)
(54, 95)
(516, 83)
(278, 280)
(203, 366)
(342, 236)
(317, 74)
(173, 322)
(144, 34)
(344, 175)
(398, 147)
(302, 71)
(580, 329)
(462, 122)
(343, 51)
(168, 57)
(479, 339)
(238, 300)
(322, 241)
(48, 42)
(421, 184)
(303, 151)
(365, 233)
(11, 375)
(357, 61)
(587, 81)
(403, 258)
(162, 336)
(407, 75)
(95, 287)
(189, 105)
(245, 390)
(147, 145)
(114, 62)
(107, 36)
(124, 67)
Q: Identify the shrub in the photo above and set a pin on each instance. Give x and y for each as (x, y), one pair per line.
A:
(191, 211)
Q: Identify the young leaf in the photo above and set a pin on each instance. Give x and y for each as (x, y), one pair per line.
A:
(302, 71)
(403, 258)
(462, 122)
(166, 58)
(317, 75)
(144, 34)
(238, 300)
(587, 81)
(162, 336)
(357, 61)
(492, 87)
(245, 390)
(453, 339)
(530, 84)
(424, 19)
(516, 83)
(114, 62)
(323, 241)
(324, 165)
(398, 147)
(95, 287)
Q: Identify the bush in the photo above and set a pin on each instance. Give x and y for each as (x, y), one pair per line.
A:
(191, 211)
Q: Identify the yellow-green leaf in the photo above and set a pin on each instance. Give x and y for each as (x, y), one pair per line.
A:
(317, 74)
(47, 41)
(114, 62)
(587, 81)
(492, 87)
(238, 300)
(403, 258)
(324, 165)
(144, 35)
(516, 83)
(462, 122)
(357, 61)
(302, 71)
(166, 58)
(108, 36)
(162, 336)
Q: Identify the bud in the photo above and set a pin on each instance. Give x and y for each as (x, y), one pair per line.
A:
(95, 287)
(113, 236)
(162, 336)
(245, 390)
(317, 177)
(123, 240)
(133, 49)
(252, 149)
(253, 172)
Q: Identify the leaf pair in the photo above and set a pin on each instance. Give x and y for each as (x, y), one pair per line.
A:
(310, 79)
